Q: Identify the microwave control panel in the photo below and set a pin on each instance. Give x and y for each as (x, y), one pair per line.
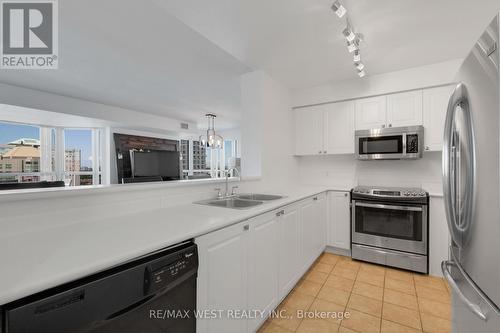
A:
(412, 144)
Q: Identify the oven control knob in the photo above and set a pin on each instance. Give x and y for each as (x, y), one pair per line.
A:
(414, 194)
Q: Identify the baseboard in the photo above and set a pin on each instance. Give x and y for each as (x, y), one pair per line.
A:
(339, 251)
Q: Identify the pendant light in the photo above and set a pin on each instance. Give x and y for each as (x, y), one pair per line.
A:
(211, 140)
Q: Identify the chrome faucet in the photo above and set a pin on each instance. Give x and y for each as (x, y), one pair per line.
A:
(228, 172)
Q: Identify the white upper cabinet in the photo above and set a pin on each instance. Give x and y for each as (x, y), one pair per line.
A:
(371, 112)
(309, 130)
(404, 109)
(339, 128)
(435, 107)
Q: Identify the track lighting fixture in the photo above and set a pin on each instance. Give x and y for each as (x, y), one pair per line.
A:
(349, 34)
(359, 66)
(357, 56)
(339, 9)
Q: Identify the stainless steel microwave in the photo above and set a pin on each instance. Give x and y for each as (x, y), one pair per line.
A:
(392, 143)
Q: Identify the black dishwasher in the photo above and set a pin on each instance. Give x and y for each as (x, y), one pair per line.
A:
(155, 293)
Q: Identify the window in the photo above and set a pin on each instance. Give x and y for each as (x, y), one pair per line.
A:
(199, 162)
(35, 153)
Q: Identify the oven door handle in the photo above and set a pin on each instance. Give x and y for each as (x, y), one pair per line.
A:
(382, 206)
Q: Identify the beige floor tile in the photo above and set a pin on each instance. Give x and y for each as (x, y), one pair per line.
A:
(334, 295)
(329, 259)
(339, 282)
(438, 309)
(433, 294)
(365, 304)
(391, 327)
(344, 272)
(372, 269)
(400, 285)
(400, 315)
(336, 310)
(323, 268)
(432, 324)
(370, 278)
(361, 322)
(368, 290)
(317, 326)
(298, 301)
(352, 265)
(429, 282)
(397, 274)
(316, 276)
(289, 320)
(272, 328)
(346, 330)
(308, 287)
(401, 299)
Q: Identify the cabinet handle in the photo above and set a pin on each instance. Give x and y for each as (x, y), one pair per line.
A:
(383, 126)
(246, 227)
(278, 213)
(390, 125)
(315, 198)
(427, 148)
(282, 212)
(319, 152)
(345, 194)
(324, 152)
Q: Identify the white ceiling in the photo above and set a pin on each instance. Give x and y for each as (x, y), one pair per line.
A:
(183, 58)
(299, 42)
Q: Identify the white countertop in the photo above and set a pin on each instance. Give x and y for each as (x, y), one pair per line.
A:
(35, 261)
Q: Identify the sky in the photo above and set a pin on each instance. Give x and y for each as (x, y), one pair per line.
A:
(77, 139)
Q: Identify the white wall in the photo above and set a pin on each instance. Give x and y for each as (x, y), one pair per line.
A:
(345, 172)
(267, 130)
(409, 79)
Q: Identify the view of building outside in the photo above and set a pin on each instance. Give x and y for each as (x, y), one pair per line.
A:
(20, 155)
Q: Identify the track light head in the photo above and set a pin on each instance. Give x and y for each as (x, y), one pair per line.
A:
(361, 73)
(349, 34)
(359, 66)
(339, 9)
(357, 56)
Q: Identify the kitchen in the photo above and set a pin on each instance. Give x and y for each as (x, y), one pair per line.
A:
(332, 170)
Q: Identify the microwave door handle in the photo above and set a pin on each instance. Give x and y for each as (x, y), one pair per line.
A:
(394, 207)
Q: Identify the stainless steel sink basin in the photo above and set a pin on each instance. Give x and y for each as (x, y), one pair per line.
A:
(259, 197)
(234, 202)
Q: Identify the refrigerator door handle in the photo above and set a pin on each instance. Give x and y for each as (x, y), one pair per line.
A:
(475, 308)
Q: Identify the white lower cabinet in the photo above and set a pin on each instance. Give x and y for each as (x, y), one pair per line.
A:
(289, 252)
(263, 294)
(339, 223)
(254, 264)
(223, 277)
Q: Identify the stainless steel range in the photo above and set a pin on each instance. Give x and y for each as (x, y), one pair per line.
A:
(390, 226)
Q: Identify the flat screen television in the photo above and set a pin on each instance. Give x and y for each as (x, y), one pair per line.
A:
(154, 163)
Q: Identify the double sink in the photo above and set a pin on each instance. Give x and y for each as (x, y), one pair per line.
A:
(241, 201)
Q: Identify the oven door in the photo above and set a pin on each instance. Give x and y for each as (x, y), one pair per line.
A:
(381, 147)
(390, 226)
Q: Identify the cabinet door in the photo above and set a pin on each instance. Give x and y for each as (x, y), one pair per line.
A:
(339, 128)
(435, 107)
(222, 277)
(289, 254)
(319, 225)
(339, 220)
(309, 130)
(370, 112)
(263, 271)
(404, 109)
(307, 229)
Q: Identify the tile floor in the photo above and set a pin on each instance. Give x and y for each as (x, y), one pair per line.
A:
(378, 299)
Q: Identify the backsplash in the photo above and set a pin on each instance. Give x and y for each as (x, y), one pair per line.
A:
(345, 172)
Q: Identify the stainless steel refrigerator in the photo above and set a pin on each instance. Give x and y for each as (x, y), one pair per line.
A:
(471, 182)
